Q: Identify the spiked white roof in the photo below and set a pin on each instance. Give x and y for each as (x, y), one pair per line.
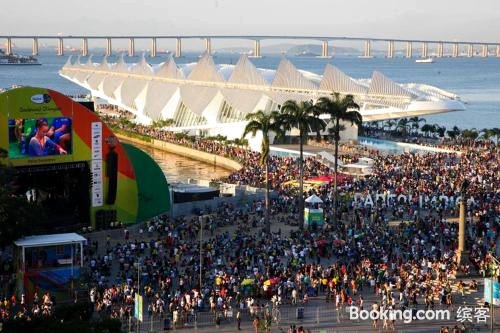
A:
(205, 70)
(245, 72)
(336, 80)
(154, 97)
(382, 85)
(169, 70)
(288, 76)
(142, 68)
(246, 88)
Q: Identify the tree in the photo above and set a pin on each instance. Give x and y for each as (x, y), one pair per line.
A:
(415, 121)
(305, 117)
(495, 132)
(440, 130)
(240, 142)
(373, 125)
(344, 109)
(427, 128)
(488, 133)
(453, 133)
(470, 134)
(389, 124)
(485, 134)
(403, 125)
(434, 129)
(163, 123)
(265, 123)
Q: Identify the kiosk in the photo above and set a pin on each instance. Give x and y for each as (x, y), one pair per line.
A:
(48, 263)
(313, 213)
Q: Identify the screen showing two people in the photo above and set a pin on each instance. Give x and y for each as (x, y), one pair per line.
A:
(39, 137)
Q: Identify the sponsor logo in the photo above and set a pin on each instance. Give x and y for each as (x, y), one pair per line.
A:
(41, 98)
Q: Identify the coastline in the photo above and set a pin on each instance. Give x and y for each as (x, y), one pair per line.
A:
(216, 160)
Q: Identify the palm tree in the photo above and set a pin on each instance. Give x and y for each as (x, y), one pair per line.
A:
(318, 124)
(389, 124)
(434, 129)
(470, 134)
(373, 125)
(305, 117)
(265, 123)
(440, 130)
(485, 134)
(416, 123)
(426, 129)
(495, 132)
(339, 109)
(453, 133)
(403, 125)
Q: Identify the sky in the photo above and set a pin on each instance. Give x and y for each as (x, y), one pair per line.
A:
(477, 20)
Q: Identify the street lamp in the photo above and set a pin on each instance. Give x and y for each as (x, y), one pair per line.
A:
(200, 219)
(462, 254)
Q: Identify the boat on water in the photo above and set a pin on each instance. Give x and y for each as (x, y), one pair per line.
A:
(16, 59)
(425, 61)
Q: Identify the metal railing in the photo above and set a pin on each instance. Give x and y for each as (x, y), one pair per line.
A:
(318, 319)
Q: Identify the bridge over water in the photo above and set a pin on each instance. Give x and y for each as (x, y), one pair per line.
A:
(452, 47)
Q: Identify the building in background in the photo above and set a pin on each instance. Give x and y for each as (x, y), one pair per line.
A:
(208, 99)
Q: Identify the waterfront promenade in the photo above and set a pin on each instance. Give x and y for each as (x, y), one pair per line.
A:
(208, 158)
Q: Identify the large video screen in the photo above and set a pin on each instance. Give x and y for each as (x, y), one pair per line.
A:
(40, 137)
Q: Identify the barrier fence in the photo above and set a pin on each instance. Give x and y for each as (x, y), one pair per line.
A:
(318, 319)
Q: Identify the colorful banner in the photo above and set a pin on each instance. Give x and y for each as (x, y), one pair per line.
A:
(138, 309)
(97, 193)
(492, 289)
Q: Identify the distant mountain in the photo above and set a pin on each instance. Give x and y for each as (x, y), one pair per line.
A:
(293, 49)
(277, 48)
(315, 50)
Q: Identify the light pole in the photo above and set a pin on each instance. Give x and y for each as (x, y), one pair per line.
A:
(494, 278)
(138, 289)
(461, 251)
(200, 219)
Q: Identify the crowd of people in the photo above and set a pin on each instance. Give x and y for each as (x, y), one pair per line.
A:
(459, 139)
(12, 307)
(363, 260)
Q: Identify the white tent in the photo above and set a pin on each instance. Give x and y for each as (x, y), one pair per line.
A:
(53, 239)
(50, 240)
(314, 199)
